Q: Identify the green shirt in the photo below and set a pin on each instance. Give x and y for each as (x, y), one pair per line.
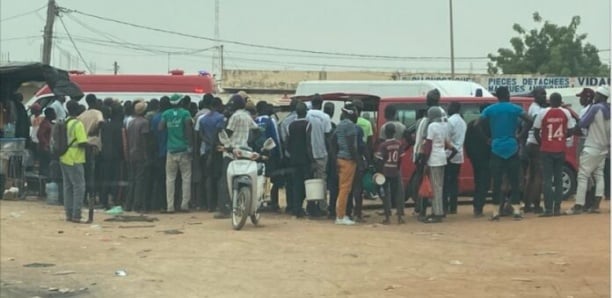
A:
(76, 135)
(175, 125)
(366, 126)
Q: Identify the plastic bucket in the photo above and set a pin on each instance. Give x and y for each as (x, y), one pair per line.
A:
(52, 191)
(315, 189)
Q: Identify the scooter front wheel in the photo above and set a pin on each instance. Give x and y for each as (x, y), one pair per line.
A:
(255, 218)
(242, 207)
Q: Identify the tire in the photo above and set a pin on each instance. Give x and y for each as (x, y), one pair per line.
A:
(243, 205)
(255, 218)
(570, 183)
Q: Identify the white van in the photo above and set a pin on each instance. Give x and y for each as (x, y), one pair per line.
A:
(392, 88)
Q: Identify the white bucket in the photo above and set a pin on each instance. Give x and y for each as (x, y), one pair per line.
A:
(315, 189)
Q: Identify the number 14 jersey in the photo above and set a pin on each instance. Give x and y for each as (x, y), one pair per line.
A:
(553, 124)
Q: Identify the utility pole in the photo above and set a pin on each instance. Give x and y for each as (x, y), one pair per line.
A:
(48, 35)
(221, 60)
(115, 68)
(217, 58)
(452, 42)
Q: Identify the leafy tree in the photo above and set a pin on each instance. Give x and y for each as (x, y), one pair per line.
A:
(551, 49)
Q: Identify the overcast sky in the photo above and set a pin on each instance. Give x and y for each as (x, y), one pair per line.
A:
(384, 27)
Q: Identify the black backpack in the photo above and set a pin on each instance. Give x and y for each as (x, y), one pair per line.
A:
(59, 143)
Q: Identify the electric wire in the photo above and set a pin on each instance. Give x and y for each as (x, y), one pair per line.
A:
(23, 14)
(74, 45)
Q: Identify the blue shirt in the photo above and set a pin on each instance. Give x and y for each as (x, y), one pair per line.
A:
(210, 125)
(160, 136)
(269, 126)
(346, 128)
(504, 120)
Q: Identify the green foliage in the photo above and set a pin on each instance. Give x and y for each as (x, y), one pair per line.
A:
(549, 50)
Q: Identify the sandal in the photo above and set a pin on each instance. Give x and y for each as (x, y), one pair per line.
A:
(433, 219)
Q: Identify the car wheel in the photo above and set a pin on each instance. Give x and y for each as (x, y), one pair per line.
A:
(569, 182)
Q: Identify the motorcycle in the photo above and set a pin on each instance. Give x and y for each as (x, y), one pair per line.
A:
(245, 181)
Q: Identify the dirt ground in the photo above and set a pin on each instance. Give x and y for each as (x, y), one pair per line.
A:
(463, 257)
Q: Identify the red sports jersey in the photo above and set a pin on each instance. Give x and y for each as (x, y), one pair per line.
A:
(389, 153)
(553, 130)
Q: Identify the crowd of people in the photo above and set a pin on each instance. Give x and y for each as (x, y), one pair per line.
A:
(165, 155)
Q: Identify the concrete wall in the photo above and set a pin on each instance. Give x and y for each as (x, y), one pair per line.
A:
(263, 79)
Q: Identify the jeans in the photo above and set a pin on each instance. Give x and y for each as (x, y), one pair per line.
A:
(482, 183)
(224, 198)
(346, 173)
(158, 184)
(110, 170)
(299, 190)
(420, 204)
(591, 163)
(175, 162)
(533, 186)
(44, 158)
(355, 202)
(393, 191)
(136, 198)
(318, 172)
(436, 177)
(511, 168)
(552, 172)
(214, 166)
(74, 190)
(451, 187)
(606, 174)
(201, 186)
(332, 186)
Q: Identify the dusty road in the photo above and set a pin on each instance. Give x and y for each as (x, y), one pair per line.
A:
(463, 257)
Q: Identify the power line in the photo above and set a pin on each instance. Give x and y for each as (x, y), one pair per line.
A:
(74, 45)
(249, 44)
(143, 47)
(23, 14)
(285, 63)
(20, 38)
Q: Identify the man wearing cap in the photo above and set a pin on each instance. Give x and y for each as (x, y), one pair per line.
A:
(503, 119)
(533, 186)
(434, 151)
(432, 100)
(138, 157)
(346, 157)
(586, 100)
(239, 126)
(177, 121)
(596, 147)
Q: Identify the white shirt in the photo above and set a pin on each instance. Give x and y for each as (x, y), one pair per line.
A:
(598, 140)
(327, 124)
(456, 131)
(437, 132)
(60, 112)
(534, 110)
(196, 127)
(421, 132)
(585, 131)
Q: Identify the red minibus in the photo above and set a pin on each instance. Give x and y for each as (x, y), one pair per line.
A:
(131, 86)
(407, 110)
